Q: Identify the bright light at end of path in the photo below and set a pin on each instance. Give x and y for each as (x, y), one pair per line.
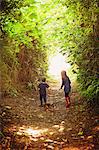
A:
(57, 64)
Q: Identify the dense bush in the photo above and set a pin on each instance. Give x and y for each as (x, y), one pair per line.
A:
(23, 58)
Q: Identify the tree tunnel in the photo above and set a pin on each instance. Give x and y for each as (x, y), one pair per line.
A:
(40, 38)
(31, 31)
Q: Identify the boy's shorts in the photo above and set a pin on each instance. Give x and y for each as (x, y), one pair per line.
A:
(66, 94)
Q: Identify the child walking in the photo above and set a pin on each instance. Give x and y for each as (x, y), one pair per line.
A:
(42, 91)
(67, 87)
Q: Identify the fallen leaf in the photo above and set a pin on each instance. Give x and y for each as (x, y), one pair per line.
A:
(50, 146)
(69, 129)
(56, 126)
(8, 107)
(49, 140)
(90, 138)
(80, 133)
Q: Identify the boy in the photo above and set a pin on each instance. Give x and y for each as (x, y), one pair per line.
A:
(42, 90)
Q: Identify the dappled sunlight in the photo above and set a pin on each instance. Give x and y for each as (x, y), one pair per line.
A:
(36, 132)
(60, 127)
(71, 148)
(29, 131)
(57, 63)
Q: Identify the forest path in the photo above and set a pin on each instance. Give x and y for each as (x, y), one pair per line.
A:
(27, 126)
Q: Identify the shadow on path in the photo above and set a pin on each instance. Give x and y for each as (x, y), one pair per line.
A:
(26, 126)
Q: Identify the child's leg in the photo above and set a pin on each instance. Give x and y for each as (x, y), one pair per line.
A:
(66, 102)
(45, 99)
(41, 99)
(67, 98)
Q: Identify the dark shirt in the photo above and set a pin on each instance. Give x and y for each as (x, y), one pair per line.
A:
(67, 85)
(42, 88)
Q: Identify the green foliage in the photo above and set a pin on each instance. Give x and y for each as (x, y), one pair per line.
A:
(1, 134)
(44, 27)
(19, 27)
(13, 92)
(80, 42)
(74, 31)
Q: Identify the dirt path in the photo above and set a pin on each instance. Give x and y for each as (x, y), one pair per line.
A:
(26, 126)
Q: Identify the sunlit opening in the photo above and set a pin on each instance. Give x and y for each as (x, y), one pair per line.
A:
(57, 64)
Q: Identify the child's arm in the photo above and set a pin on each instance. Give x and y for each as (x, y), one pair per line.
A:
(47, 86)
(69, 81)
(38, 87)
(62, 84)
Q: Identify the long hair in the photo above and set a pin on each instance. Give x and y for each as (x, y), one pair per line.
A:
(63, 74)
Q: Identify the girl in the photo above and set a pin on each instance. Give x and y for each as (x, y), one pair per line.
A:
(67, 87)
